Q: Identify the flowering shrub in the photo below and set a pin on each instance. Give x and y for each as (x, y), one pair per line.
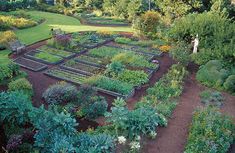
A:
(6, 37)
(11, 21)
(165, 48)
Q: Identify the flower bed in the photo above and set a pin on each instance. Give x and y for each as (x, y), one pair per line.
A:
(30, 64)
(82, 68)
(44, 57)
(66, 75)
(56, 52)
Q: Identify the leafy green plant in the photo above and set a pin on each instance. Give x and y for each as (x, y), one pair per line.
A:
(136, 78)
(95, 143)
(212, 74)
(96, 109)
(229, 84)
(8, 71)
(143, 120)
(212, 98)
(170, 85)
(21, 84)
(114, 69)
(61, 93)
(109, 84)
(15, 107)
(210, 132)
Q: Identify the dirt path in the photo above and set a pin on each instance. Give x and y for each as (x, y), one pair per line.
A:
(165, 63)
(173, 138)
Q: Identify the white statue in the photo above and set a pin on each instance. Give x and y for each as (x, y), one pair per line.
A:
(195, 44)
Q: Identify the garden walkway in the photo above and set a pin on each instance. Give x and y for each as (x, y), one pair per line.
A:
(173, 138)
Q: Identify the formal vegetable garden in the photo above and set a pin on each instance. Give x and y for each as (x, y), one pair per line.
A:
(123, 76)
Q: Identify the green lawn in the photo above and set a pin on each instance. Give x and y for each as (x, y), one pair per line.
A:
(66, 23)
(4, 57)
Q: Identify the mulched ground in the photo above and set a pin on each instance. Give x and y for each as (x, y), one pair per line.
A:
(171, 139)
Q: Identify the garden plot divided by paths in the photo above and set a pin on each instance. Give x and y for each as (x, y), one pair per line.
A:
(30, 64)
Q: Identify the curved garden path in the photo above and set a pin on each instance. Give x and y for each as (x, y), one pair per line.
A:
(172, 139)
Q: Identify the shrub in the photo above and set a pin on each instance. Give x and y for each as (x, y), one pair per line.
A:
(148, 23)
(21, 84)
(216, 35)
(211, 98)
(14, 108)
(6, 37)
(62, 40)
(165, 48)
(60, 93)
(210, 132)
(181, 53)
(11, 21)
(8, 71)
(229, 84)
(212, 74)
(95, 143)
(94, 107)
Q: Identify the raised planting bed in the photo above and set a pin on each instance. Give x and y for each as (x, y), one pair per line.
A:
(148, 57)
(111, 86)
(95, 61)
(82, 68)
(30, 64)
(66, 75)
(56, 52)
(89, 39)
(144, 50)
(44, 57)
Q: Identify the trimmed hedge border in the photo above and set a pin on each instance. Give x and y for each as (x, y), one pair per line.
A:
(43, 67)
(40, 60)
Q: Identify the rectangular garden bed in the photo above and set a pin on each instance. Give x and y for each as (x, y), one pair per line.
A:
(57, 52)
(82, 67)
(44, 57)
(30, 64)
(94, 61)
(66, 75)
(89, 40)
(144, 50)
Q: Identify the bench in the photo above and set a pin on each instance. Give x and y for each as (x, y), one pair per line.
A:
(16, 46)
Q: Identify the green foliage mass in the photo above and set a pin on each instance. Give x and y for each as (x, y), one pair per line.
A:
(210, 132)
